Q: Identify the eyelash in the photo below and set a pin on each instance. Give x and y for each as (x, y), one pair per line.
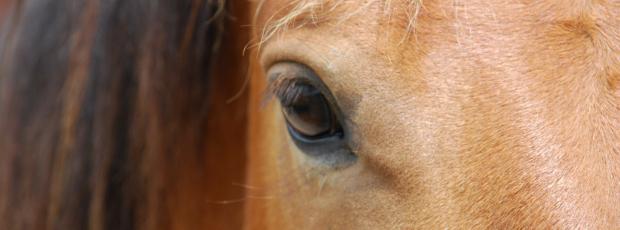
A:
(286, 89)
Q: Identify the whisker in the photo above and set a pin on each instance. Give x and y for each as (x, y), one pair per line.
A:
(240, 200)
(246, 186)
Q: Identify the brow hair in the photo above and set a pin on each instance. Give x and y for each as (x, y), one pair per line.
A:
(103, 108)
(301, 13)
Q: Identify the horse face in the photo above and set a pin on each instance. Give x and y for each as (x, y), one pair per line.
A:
(450, 114)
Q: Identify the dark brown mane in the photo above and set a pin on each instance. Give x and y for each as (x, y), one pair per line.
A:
(106, 108)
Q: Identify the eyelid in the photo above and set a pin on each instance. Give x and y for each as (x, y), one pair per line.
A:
(294, 70)
(287, 89)
(285, 76)
(294, 50)
(287, 50)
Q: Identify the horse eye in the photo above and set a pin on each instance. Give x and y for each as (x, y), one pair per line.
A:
(312, 117)
(308, 113)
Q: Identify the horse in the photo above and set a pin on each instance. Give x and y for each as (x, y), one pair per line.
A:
(400, 114)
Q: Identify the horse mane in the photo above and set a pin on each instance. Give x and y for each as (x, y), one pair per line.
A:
(109, 114)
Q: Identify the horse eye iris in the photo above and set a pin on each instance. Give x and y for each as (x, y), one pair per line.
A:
(309, 113)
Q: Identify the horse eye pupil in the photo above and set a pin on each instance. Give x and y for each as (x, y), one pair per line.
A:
(309, 113)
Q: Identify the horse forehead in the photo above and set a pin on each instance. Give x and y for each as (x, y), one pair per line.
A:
(312, 10)
(441, 17)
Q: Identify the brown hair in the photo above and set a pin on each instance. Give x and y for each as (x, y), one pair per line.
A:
(105, 112)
